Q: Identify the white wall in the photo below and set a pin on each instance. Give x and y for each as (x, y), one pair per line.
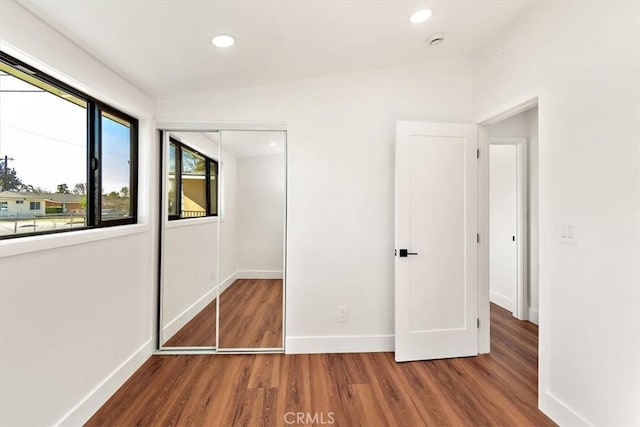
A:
(514, 126)
(229, 219)
(582, 60)
(77, 308)
(190, 271)
(340, 187)
(503, 215)
(207, 144)
(261, 192)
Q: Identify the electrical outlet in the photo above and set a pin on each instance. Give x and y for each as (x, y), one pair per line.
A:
(342, 313)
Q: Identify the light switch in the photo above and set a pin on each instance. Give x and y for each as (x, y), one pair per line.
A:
(563, 232)
(567, 233)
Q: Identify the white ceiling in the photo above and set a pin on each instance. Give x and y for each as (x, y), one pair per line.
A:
(163, 47)
(253, 143)
(239, 143)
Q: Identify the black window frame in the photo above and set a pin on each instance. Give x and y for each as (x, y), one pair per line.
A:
(95, 108)
(178, 177)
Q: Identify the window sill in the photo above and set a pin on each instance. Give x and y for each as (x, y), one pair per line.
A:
(186, 222)
(29, 244)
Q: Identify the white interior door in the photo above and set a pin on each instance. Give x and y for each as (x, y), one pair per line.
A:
(503, 217)
(436, 283)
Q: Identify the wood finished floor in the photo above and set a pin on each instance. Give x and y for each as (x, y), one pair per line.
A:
(250, 317)
(365, 389)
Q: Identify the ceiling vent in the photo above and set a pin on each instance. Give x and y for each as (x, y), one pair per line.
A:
(435, 39)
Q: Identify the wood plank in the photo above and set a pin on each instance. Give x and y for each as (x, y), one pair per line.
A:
(250, 317)
(367, 389)
(251, 314)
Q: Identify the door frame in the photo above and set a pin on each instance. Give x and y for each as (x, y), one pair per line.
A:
(522, 242)
(494, 116)
(536, 97)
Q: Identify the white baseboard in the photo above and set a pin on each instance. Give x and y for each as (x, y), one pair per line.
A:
(340, 344)
(81, 412)
(533, 315)
(501, 300)
(224, 285)
(259, 274)
(560, 412)
(189, 313)
(183, 318)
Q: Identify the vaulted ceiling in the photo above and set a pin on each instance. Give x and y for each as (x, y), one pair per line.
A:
(164, 48)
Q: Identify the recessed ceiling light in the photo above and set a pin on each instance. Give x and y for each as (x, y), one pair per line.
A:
(223, 40)
(420, 16)
(273, 144)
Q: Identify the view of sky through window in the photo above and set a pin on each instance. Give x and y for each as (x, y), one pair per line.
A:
(116, 155)
(44, 136)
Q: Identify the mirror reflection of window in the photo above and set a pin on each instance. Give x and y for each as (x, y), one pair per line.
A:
(172, 194)
(213, 187)
(194, 195)
(191, 182)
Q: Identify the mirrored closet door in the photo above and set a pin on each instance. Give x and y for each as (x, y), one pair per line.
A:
(222, 241)
(190, 257)
(252, 229)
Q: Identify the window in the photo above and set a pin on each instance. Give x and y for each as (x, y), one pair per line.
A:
(116, 167)
(191, 183)
(74, 153)
(4, 206)
(213, 187)
(19, 202)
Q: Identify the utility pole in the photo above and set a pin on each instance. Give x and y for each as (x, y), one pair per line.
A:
(6, 172)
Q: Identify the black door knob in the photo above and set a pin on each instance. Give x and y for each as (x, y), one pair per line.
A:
(405, 252)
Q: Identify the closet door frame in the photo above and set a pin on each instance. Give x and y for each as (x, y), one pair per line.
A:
(162, 129)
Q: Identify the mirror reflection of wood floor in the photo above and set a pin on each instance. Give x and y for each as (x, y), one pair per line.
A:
(367, 389)
(250, 317)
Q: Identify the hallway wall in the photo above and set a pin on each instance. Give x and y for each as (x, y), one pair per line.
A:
(581, 60)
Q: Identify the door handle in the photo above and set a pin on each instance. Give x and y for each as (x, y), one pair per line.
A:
(405, 252)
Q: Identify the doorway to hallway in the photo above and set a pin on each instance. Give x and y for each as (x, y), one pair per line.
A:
(513, 219)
